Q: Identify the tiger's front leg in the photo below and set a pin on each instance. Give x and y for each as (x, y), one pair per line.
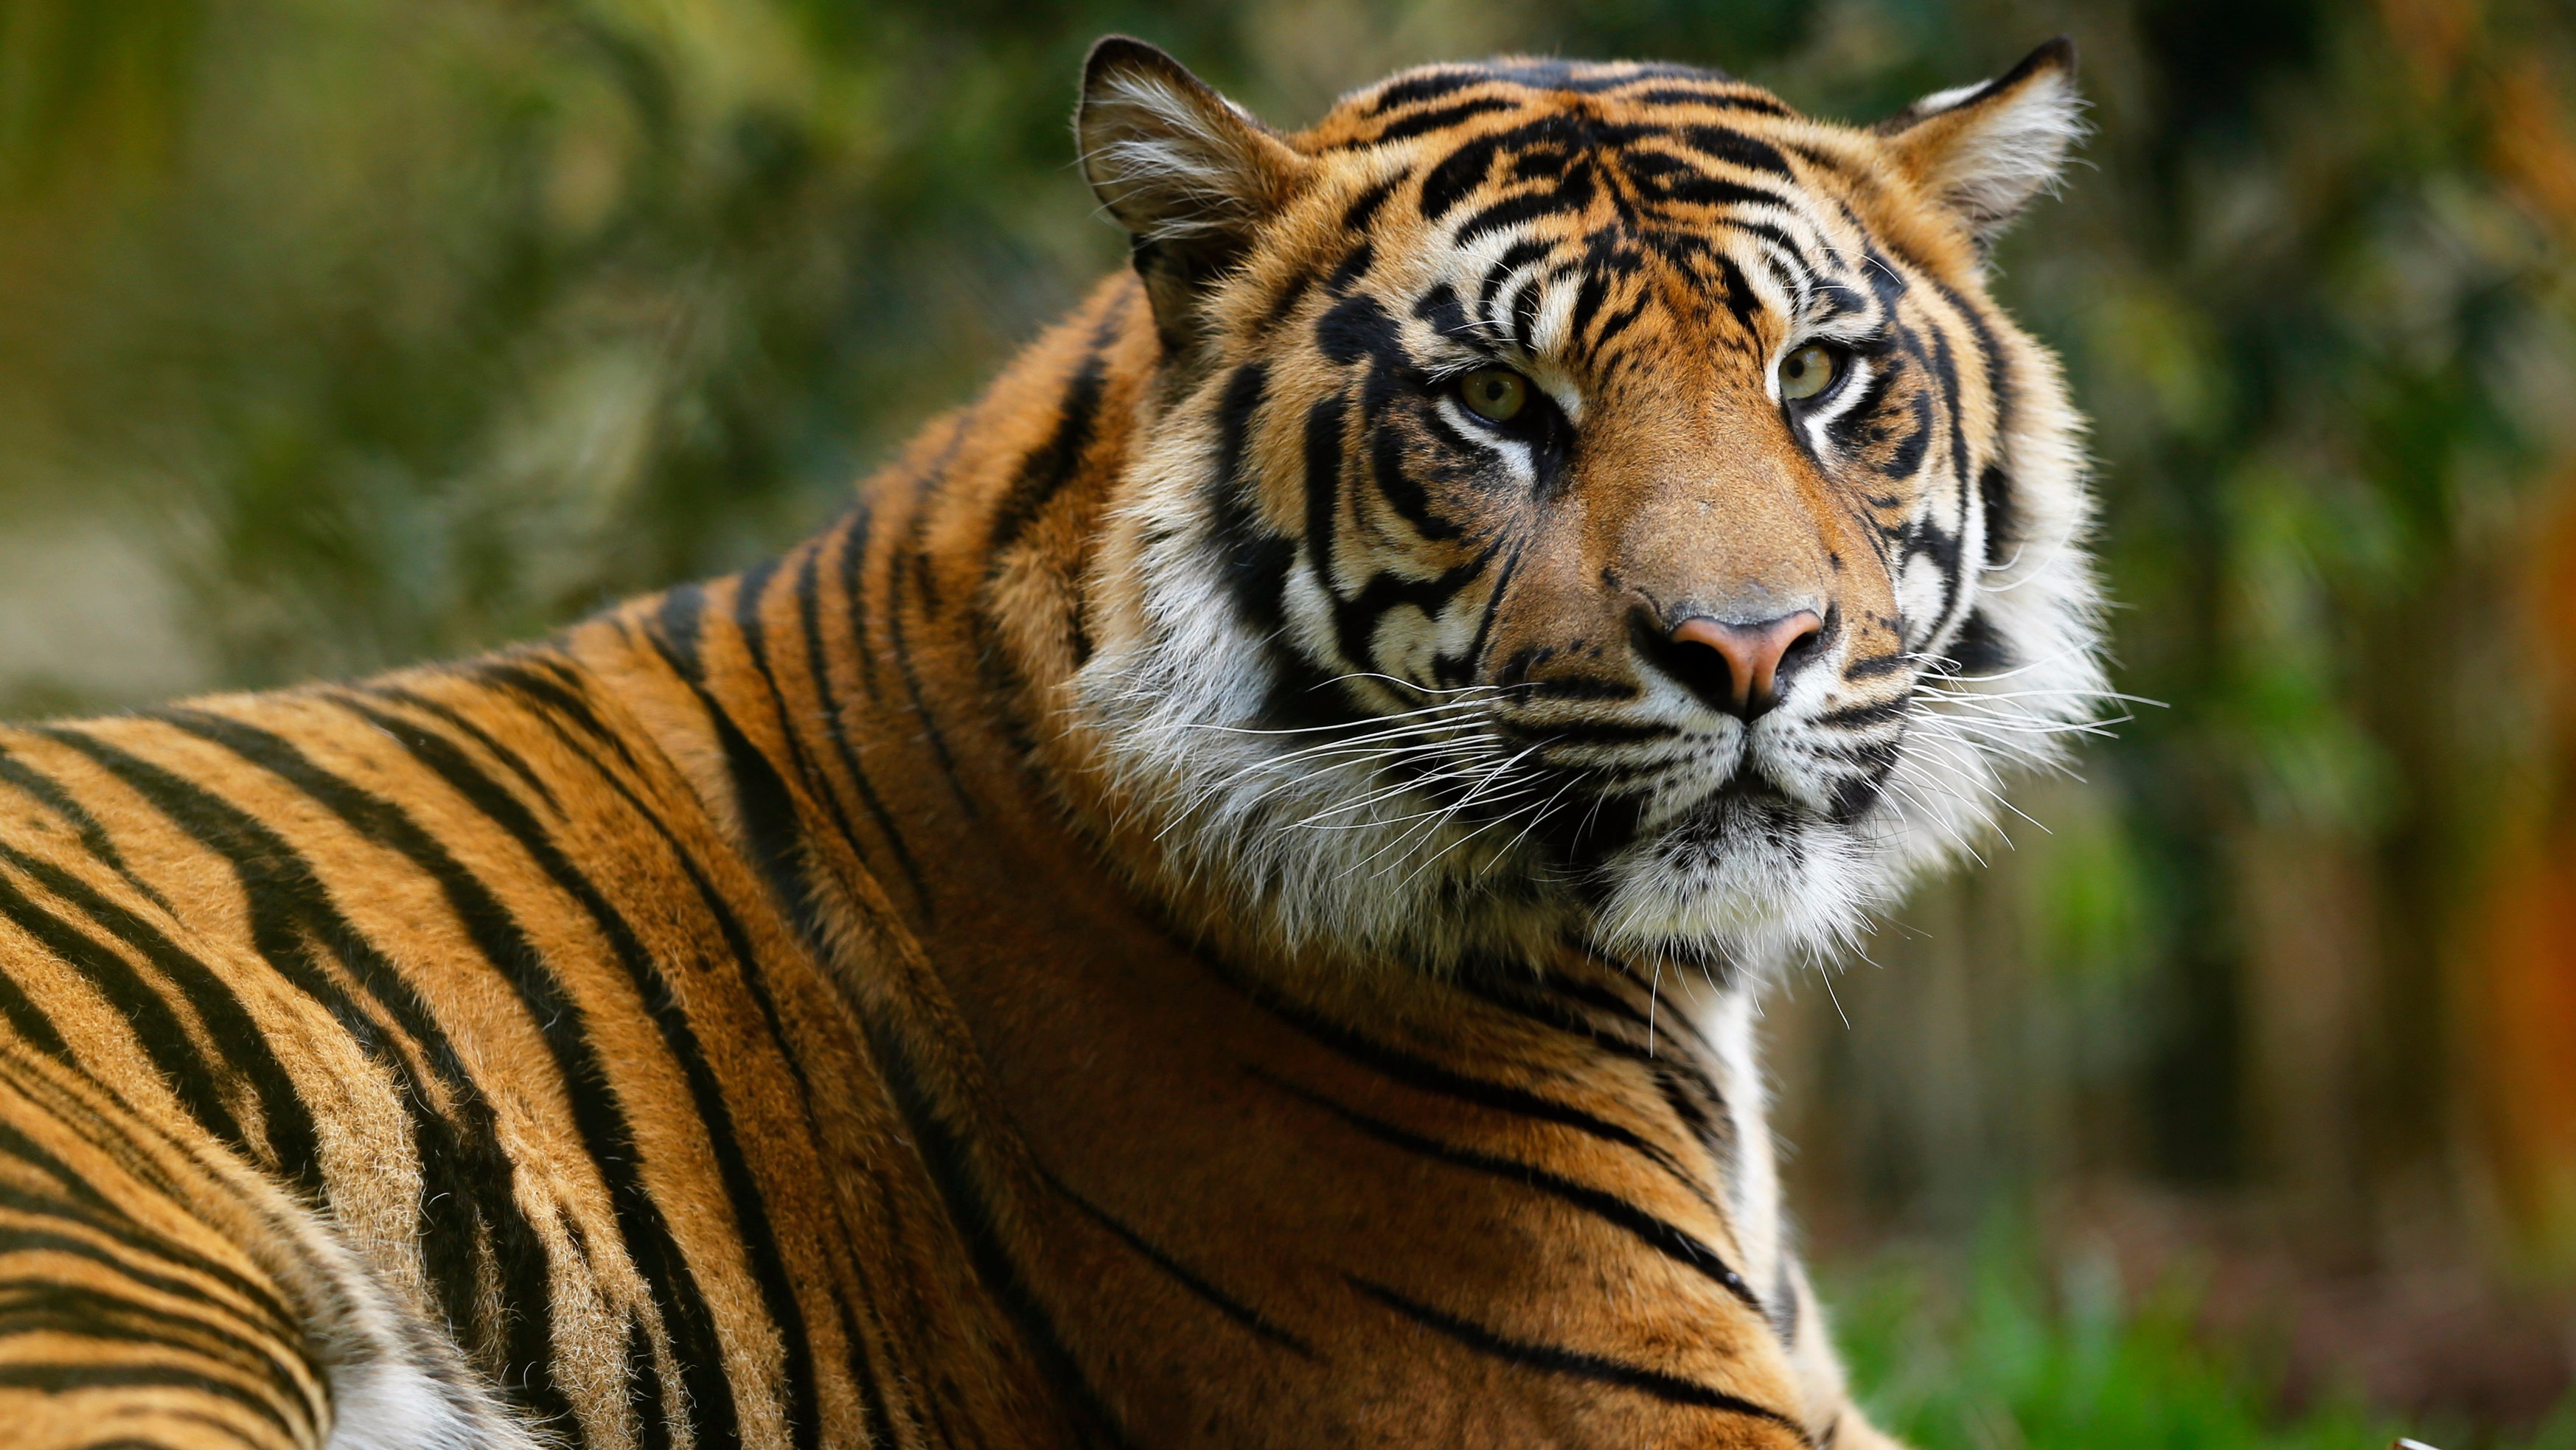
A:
(157, 1292)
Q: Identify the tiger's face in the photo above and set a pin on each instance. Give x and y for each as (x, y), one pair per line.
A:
(1586, 501)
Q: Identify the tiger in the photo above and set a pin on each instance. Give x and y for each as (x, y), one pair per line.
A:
(1225, 902)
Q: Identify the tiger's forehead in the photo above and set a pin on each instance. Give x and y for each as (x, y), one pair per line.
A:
(1430, 97)
(1651, 119)
(1563, 201)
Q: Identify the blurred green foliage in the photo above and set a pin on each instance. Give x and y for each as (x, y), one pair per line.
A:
(335, 333)
(2014, 1358)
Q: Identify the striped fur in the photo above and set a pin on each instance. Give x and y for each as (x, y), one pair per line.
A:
(1151, 929)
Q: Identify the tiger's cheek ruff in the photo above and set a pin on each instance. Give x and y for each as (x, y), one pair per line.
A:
(1206, 711)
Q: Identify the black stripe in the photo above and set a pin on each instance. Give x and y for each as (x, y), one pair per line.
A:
(1554, 1359)
(836, 728)
(83, 1204)
(941, 1152)
(1845, 430)
(1424, 1075)
(1324, 446)
(1742, 302)
(865, 1383)
(901, 646)
(1561, 994)
(30, 1304)
(1851, 716)
(1518, 255)
(1399, 489)
(1460, 173)
(54, 1379)
(1364, 207)
(93, 836)
(1873, 666)
(1720, 100)
(767, 811)
(457, 721)
(1463, 670)
(1224, 1303)
(24, 1240)
(1784, 1303)
(1588, 298)
(679, 622)
(644, 1392)
(1912, 449)
(1664, 1238)
(1681, 1079)
(1520, 209)
(1586, 732)
(1253, 561)
(2003, 520)
(31, 1024)
(1617, 325)
(1045, 471)
(293, 1141)
(553, 690)
(156, 1027)
(1404, 128)
(1733, 146)
(1427, 87)
(854, 595)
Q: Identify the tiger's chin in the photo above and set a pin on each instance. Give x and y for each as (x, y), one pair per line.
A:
(1747, 879)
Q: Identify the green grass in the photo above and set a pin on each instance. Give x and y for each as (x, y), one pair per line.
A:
(2011, 1361)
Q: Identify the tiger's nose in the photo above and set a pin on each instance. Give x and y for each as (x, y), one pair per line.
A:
(1737, 667)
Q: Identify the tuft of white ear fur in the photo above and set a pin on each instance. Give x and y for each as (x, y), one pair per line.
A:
(1171, 159)
(1985, 150)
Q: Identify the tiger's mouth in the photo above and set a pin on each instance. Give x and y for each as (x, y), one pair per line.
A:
(1702, 787)
(1746, 806)
(1740, 852)
(1746, 797)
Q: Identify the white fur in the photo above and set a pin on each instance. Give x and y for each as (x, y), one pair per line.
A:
(1170, 168)
(397, 1381)
(2005, 150)
(393, 1404)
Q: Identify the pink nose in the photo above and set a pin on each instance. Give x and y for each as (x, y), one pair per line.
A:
(1749, 656)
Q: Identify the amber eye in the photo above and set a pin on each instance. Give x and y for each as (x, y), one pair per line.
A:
(1808, 371)
(1496, 395)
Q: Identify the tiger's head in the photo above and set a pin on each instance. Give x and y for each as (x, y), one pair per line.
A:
(1579, 501)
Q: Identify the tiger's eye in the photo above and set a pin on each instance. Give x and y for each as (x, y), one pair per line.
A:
(1808, 371)
(1496, 395)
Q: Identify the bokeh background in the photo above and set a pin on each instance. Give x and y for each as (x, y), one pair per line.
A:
(2236, 1101)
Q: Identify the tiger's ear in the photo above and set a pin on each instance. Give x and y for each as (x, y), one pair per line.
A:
(1985, 150)
(1188, 173)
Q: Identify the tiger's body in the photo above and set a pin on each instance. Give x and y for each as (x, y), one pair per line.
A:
(905, 995)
